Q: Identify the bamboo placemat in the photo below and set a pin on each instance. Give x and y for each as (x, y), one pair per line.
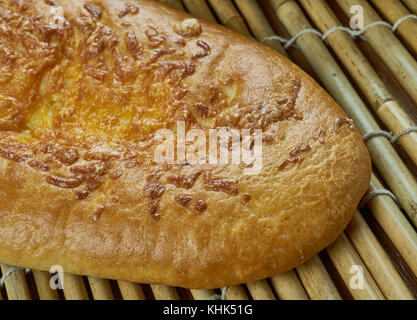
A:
(372, 74)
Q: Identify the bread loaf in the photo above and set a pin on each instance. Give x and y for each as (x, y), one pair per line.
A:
(86, 87)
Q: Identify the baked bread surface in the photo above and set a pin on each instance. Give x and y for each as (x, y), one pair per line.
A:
(84, 86)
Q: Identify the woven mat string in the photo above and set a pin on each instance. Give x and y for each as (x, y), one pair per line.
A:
(353, 33)
(221, 296)
(224, 291)
(9, 271)
(392, 138)
(378, 133)
(371, 195)
(403, 132)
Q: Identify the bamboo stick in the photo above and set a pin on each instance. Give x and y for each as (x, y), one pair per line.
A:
(344, 257)
(236, 293)
(288, 287)
(388, 47)
(200, 9)
(378, 95)
(177, 4)
(162, 292)
(258, 24)
(395, 225)
(100, 288)
(411, 4)
(130, 290)
(42, 280)
(376, 259)
(276, 4)
(317, 281)
(260, 290)
(229, 16)
(74, 288)
(16, 286)
(392, 10)
(384, 157)
(203, 294)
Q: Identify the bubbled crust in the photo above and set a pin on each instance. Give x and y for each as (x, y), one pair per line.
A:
(315, 165)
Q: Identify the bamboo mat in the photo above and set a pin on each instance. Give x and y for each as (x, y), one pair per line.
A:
(373, 76)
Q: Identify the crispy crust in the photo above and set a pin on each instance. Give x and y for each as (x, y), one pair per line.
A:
(315, 164)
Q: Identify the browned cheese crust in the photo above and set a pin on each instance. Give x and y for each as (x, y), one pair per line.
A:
(83, 88)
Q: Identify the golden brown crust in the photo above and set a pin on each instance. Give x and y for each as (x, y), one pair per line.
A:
(85, 85)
